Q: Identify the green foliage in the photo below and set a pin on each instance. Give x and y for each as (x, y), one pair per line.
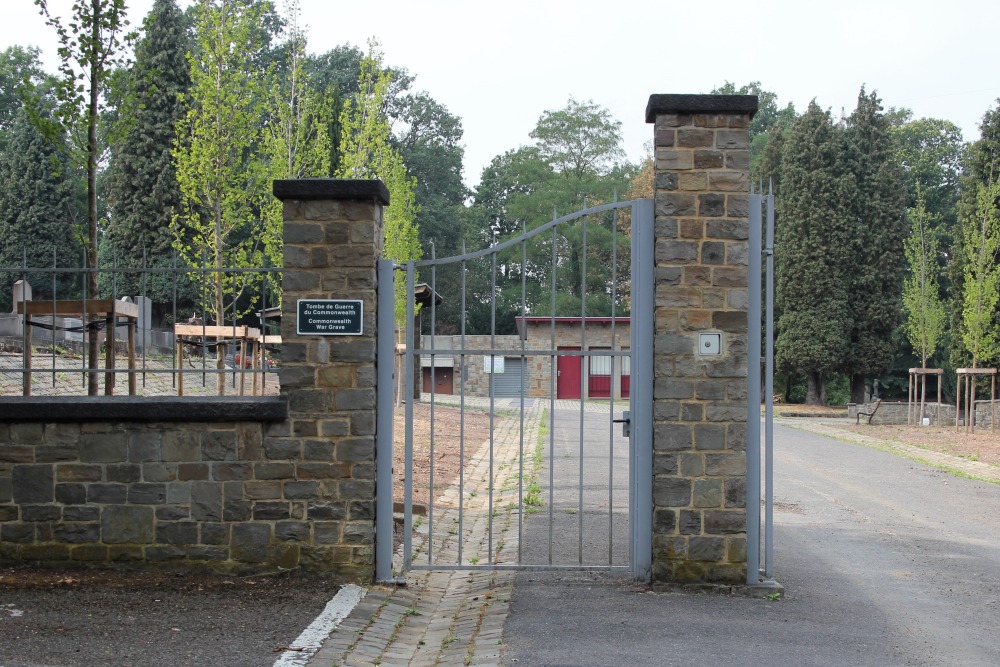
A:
(815, 237)
(982, 275)
(35, 203)
(144, 195)
(769, 122)
(223, 187)
(925, 315)
(366, 152)
(579, 140)
(20, 72)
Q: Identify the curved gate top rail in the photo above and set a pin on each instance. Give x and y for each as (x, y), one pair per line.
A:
(499, 247)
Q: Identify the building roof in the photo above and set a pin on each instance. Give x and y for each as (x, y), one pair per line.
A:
(521, 321)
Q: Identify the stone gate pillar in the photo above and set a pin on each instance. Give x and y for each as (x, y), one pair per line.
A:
(333, 241)
(702, 162)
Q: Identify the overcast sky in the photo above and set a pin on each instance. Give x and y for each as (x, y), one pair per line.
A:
(498, 65)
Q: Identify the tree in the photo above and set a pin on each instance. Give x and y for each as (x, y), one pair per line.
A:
(366, 152)
(222, 189)
(580, 139)
(982, 275)
(35, 202)
(925, 316)
(875, 207)
(144, 194)
(815, 237)
(90, 48)
(296, 139)
(769, 121)
(20, 72)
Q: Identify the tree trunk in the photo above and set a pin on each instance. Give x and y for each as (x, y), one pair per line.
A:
(93, 348)
(857, 388)
(816, 393)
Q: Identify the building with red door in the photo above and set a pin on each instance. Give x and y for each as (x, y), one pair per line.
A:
(576, 357)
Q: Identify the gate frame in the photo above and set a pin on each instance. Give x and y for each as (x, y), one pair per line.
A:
(640, 398)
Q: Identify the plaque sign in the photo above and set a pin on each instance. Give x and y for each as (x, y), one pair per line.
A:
(329, 317)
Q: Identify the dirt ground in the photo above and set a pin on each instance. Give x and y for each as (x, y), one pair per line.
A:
(77, 617)
(447, 447)
(982, 445)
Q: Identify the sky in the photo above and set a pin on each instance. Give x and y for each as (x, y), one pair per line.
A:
(499, 65)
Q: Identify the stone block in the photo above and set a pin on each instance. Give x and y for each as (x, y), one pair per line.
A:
(274, 471)
(179, 493)
(159, 472)
(357, 489)
(81, 513)
(664, 520)
(665, 228)
(671, 492)
(304, 428)
(125, 554)
(664, 137)
(250, 542)
(317, 450)
(355, 449)
(214, 533)
(177, 532)
(729, 181)
(130, 524)
(355, 399)
(27, 433)
(71, 493)
(671, 437)
(709, 437)
(270, 511)
(281, 449)
(677, 204)
(711, 205)
(359, 532)
(219, 446)
(695, 138)
(204, 553)
(737, 159)
(206, 501)
(103, 448)
(708, 159)
(107, 494)
(691, 228)
(188, 472)
(671, 388)
(693, 412)
(736, 549)
(722, 522)
(163, 554)
(6, 488)
(738, 299)
(726, 412)
(44, 553)
(665, 464)
(172, 513)
(727, 229)
(250, 441)
(56, 433)
(695, 276)
(16, 533)
(17, 453)
(93, 553)
(708, 493)
(322, 471)
(691, 465)
(326, 511)
(126, 473)
(363, 423)
(665, 180)
(730, 321)
(690, 522)
(77, 533)
(144, 446)
(333, 428)
(307, 490)
(181, 446)
(56, 453)
(713, 252)
(666, 410)
(292, 531)
(38, 513)
(668, 159)
(33, 484)
(235, 471)
(147, 494)
(737, 206)
(736, 492)
(709, 549)
(361, 510)
(732, 139)
(724, 276)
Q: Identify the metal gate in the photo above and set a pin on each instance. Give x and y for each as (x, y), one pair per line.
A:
(556, 483)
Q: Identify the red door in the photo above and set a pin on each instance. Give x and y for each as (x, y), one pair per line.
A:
(568, 379)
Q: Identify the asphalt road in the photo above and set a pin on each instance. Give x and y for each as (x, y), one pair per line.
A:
(885, 562)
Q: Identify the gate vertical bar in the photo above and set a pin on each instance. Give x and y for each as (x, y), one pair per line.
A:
(584, 377)
(408, 396)
(641, 392)
(385, 360)
(769, 392)
(554, 365)
(753, 393)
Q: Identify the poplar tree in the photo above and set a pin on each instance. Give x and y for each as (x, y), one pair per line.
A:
(366, 152)
(925, 316)
(815, 237)
(982, 275)
(875, 209)
(222, 188)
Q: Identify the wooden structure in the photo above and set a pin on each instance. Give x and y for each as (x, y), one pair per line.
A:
(869, 412)
(244, 337)
(110, 310)
(967, 384)
(918, 384)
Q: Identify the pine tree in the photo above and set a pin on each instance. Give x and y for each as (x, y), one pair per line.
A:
(814, 259)
(876, 205)
(143, 191)
(35, 207)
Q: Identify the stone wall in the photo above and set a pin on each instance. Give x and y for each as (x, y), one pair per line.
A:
(220, 484)
(702, 160)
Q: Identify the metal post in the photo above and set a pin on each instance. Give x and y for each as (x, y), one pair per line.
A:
(408, 396)
(753, 392)
(384, 362)
(641, 394)
(769, 394)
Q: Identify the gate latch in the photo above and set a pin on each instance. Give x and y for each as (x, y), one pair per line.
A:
(626, 422)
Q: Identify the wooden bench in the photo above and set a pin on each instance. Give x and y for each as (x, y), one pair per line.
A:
(869, 413)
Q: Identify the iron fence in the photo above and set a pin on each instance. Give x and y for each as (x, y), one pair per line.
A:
(157, 325)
